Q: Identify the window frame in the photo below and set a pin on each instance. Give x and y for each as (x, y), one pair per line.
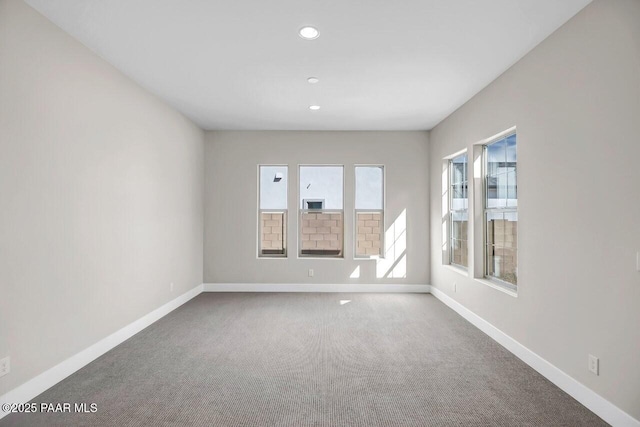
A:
(382, 211)
(260, 211)
(451, 211)
(300, 211)
(486, 210)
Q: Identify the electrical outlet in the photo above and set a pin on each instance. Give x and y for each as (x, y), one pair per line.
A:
(5, 366)
(594, 364)
(171, 287)
(311, 272)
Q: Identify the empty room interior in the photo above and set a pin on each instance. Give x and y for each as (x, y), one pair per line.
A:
(320, 213)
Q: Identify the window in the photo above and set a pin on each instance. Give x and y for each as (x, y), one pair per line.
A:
(501, 211)
(369, 211)
(321, 222)
(272, 211)
(458, 211)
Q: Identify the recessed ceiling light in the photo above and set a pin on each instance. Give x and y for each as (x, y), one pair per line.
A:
(314, 107)
(313, 80)
(308, 33)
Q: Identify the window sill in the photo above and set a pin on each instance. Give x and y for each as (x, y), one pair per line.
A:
(457, 269)
(497, 286)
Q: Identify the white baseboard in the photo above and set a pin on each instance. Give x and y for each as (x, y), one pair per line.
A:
(589, 398)
(314, 287)
(50, 377)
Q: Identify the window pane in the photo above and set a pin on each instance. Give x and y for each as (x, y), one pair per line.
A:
(459, 195)
(511, 232)
(512, 190)
(369, 215)
(511, 149)
(459, 253)
(492, 191)
(459, 221)
(501, 264)
(494, 261)
(273, 233)
(369, 233)
(494, 229)
(459, 218)
(502, 246)
(496, 157)
(321, 184)
(496, 178)
(321, 218)
(459, 169)
(321, 233)
(369, 187)
(273, 187)
(501, 221)
(273, 211)
(501, 190)
(459, 233)
(509, 272)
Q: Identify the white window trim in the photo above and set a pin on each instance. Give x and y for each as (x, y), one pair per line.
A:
(258, 211)
(299, 209)
(384, 210)
(479, 204)
(450, 211)
(446, 209)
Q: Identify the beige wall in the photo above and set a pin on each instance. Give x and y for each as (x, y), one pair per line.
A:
(575, 100)
(231, 203)
(101, 197)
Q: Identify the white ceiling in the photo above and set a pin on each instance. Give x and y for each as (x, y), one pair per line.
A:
(382, 64)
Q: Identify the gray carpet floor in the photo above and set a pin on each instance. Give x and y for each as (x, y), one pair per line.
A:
(307, 360)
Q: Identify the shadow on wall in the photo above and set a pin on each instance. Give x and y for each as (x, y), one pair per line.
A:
(394, 263)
